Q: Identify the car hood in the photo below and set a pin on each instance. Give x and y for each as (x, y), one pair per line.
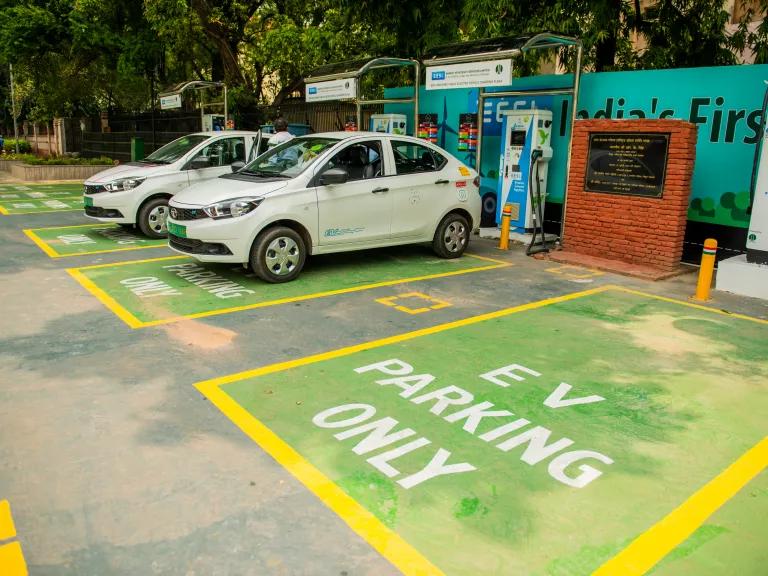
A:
(128, 170)
(220, 189)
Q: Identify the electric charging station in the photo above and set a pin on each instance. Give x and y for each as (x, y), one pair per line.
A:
(523, 162)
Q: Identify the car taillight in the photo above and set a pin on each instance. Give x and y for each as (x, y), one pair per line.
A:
(476, 181)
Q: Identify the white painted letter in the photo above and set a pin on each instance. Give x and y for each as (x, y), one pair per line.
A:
(321, 419)
(435, 468)
(558, 465)
(378, 436)
(444, 399)
(399, 368)
(420, 380)
(508, 371)
(537, 449)
(504, 429)
(474, 414)
(555, 400)
(381, 461)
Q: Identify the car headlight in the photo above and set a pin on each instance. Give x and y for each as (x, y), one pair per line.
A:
(123, 184)
(232, 208)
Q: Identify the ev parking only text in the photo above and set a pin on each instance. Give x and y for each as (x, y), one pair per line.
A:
(480, 419)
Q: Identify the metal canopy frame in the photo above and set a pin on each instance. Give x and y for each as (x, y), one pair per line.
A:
(513, 47)
(198, 86)
(357, 68)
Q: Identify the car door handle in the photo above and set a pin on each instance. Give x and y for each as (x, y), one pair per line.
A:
(442, 182)
(380, 190)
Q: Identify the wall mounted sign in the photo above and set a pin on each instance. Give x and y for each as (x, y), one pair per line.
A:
(470, 75)
(627, 163)
(342, 89)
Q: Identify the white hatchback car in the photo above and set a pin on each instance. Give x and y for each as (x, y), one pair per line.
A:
(138, 192)
(323, 193)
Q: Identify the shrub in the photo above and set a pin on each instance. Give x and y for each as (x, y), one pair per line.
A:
(69, 161)
(24, 146)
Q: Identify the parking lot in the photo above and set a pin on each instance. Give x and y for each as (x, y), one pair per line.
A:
(387, 412)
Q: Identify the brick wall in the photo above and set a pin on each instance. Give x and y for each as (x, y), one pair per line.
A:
(645, 231)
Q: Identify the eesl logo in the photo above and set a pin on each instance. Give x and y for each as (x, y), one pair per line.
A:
(313, 90)
(439, 75)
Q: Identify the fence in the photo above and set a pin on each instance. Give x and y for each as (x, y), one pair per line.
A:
(117, 145)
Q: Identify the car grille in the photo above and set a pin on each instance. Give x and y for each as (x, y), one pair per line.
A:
(193, 246)
(94, 188)
(187, 213)
(100, 212)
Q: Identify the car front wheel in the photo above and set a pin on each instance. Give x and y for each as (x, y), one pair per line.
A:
(152, 218)
(278, 255)
(451, 237)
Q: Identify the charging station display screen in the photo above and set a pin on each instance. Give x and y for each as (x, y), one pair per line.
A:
(517, 138)
(627, 163)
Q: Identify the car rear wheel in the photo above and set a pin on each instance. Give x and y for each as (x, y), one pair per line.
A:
(451, 237)
(152, 218)
(278, 255)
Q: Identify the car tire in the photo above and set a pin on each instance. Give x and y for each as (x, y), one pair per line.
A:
(452, 236)
(278, 255)
(488, 217)
(152, 218)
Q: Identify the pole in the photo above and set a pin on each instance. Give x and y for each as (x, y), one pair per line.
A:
(574, 110)
(479, 147)
(706, 270)
(416, 88)
(226, 109)
(506, 221)
(358, 105)
(13, 111)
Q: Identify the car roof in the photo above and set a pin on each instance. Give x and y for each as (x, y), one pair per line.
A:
(363, 134)
(229, 133)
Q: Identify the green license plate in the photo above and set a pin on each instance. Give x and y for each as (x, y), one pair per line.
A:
(88, 200)
(177, 230)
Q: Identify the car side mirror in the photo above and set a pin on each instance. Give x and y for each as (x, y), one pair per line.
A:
(334, 176)
(200, 162)
(237, 165)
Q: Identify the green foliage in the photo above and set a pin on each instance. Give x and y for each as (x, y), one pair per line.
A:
(69, 161)
(10, 146)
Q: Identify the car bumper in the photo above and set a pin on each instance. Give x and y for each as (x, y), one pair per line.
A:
(210, 240)
(118, 207)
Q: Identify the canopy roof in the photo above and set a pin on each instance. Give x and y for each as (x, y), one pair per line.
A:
(354, 68)
(493, 48)
(191, 85)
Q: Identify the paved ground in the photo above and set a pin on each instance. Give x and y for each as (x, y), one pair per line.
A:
(117, 463)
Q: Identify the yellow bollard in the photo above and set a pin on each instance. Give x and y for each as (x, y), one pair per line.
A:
(506, 219)
(706, 269)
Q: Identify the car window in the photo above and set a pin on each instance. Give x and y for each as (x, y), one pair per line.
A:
(175, 150)
(411, 158)
(361, 160)
(223, 152)
(289, 159)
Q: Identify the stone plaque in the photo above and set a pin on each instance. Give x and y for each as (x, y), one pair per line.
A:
(627, 163)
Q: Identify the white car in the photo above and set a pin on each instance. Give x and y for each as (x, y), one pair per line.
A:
(324, 193)
(138, 192)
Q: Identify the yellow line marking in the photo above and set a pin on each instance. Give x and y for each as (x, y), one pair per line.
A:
(105, 299)
(659, 540)
(392, 301)
(3, 211)
(127, 262)
(6, 213)
(51, 251)
(134, 322)
(387, 542)
(580, 273)
(7, 528)
(691, 305)
(12, 560)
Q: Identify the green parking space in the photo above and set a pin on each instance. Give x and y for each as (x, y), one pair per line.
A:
(162, 290)
(83, 239)
(592, 432)
(39, 198)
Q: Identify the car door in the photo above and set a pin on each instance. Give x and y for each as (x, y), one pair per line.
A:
(358, 211)
(419, 188)
(217, 157)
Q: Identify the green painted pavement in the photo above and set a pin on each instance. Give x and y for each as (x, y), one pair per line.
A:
(162, 289)
(32, 206)
(685, 394)
(20, 192)
(93, 238)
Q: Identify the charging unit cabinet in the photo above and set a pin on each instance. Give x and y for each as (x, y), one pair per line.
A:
(522, 132)
(389, 123)
(757, 235)
(213, 122)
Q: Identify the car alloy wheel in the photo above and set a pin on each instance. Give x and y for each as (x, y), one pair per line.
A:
(282, 256)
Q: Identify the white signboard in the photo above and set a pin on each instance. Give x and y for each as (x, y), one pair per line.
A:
(331, 90)
(172, 101)
(470, 75)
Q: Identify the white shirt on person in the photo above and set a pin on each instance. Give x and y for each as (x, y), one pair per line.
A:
(280, 137)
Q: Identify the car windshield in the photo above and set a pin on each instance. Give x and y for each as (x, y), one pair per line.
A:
(290, 158)
(175, 150)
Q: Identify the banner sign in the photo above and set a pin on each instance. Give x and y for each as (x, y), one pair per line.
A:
(343, 89)
(470, 75)
(169, 102)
